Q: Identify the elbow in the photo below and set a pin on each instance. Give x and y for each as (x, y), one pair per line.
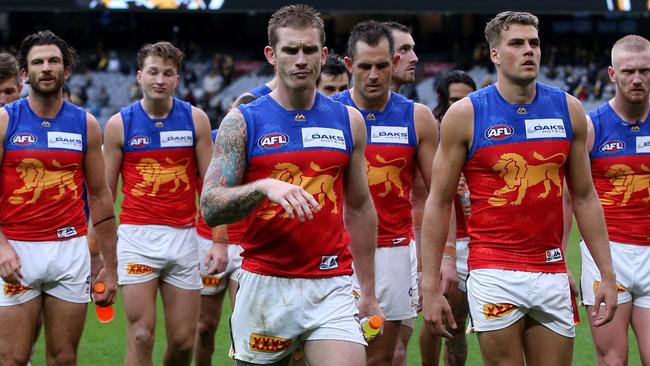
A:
(209, 212)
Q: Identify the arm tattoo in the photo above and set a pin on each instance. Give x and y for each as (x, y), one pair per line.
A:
(223, 200)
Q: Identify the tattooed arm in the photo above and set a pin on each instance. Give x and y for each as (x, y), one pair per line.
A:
(224, 200)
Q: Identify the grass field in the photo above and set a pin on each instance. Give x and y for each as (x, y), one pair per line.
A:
(105, 344)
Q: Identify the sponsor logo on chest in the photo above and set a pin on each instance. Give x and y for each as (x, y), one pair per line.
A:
(612, 146)
(64, 140)
(545, 128)
(323, 137)
(176, 139)
(389, 134)
(22, 139)
(643, 144)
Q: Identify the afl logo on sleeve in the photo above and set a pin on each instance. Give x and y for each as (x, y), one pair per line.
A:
(389, 134)
(176, 139)
(545, 128)
(273, 140)
(64, 140)
(23, 139)
(499, 132)
(323, 137)
(643, 144)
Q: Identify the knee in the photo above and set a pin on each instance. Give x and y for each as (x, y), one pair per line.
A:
(181, 344)
(143, 337)
(613, 360)
(400, 353)
(63, 358)
(207, 327)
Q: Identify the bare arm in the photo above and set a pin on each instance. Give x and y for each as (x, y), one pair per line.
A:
(100, 202)
(113, 143)
(449, 160)
(589, 212)
(360, 217)
(9, 260)
(224, 200)
(203, 145)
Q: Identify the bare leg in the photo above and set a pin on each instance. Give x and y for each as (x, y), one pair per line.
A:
(334, 353)
(611, 340)
(538, 343)
(209, 317)
(140, 309)
(380, 350)
(64, 323)
(503, 347)
(181, 319)
(399, 357)
(641, 326)
(456, 348)
(429, 347)
(16, 340)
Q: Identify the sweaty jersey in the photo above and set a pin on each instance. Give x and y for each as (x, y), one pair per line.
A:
(42, 174)
(159, 167)
(620, 166)
(390, 155)
(309, 148)
(515, 173)
(260, 90)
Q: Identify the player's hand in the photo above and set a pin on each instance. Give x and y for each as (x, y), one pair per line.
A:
(437, 314)
(368, 306)
(9, 264)
(292, 198)
(216, 259)
(96, 265)
(572, 284)
(608, 294)
(448, 275)
(108, 277)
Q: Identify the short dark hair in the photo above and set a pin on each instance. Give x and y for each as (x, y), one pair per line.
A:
(297, 16)
(455, 76)
(162, 49)
(395, 26)
(333, 66)
(8, 67)
(46, 37)
(370, 32)
(503, 21)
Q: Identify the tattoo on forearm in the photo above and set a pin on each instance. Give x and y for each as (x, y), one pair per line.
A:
(223, 200)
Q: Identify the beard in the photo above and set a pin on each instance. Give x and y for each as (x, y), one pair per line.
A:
(46, 92)
(632, 99)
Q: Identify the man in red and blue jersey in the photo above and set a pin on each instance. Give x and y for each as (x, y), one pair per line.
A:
(158, 144)
(50, 150)
(514, 141)
(618, 141)
(292, 161)
(401, 135)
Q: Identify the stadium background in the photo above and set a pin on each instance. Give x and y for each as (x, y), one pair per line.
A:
(223, 42)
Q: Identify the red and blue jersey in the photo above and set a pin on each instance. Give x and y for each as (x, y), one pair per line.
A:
(620, 167)
(310, 148)
(159, 167)
(201, 227)
(515, 173)
(42, 174)
(260, 90)
(390, 155)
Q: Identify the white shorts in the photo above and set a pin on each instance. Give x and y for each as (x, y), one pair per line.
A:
(146, 252)
(462, 252)
(498, 298)
(632, 266)
(57, 268)
(415, 293)
(279, 313)
(214, 284)
(393, 282)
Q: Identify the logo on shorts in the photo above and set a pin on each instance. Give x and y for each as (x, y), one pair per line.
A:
(553, 255)
(619, 287)
(263, 343)
(138, 269)
(355, 294)
(211, 281)
(66, 232)
(328, 262)
(12, 289)
(493, 311)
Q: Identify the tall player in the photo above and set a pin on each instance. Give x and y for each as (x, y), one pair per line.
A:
(401, 135)
(293, 160)
(158, 144)
(10, 83)
(514, 142)
(619, 143)
(51, 148)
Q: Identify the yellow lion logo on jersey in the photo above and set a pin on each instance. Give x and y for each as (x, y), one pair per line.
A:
(320, 186)
(387, 174)
(519, 175)
(625, 182)
(154, 175)
(36, 178)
